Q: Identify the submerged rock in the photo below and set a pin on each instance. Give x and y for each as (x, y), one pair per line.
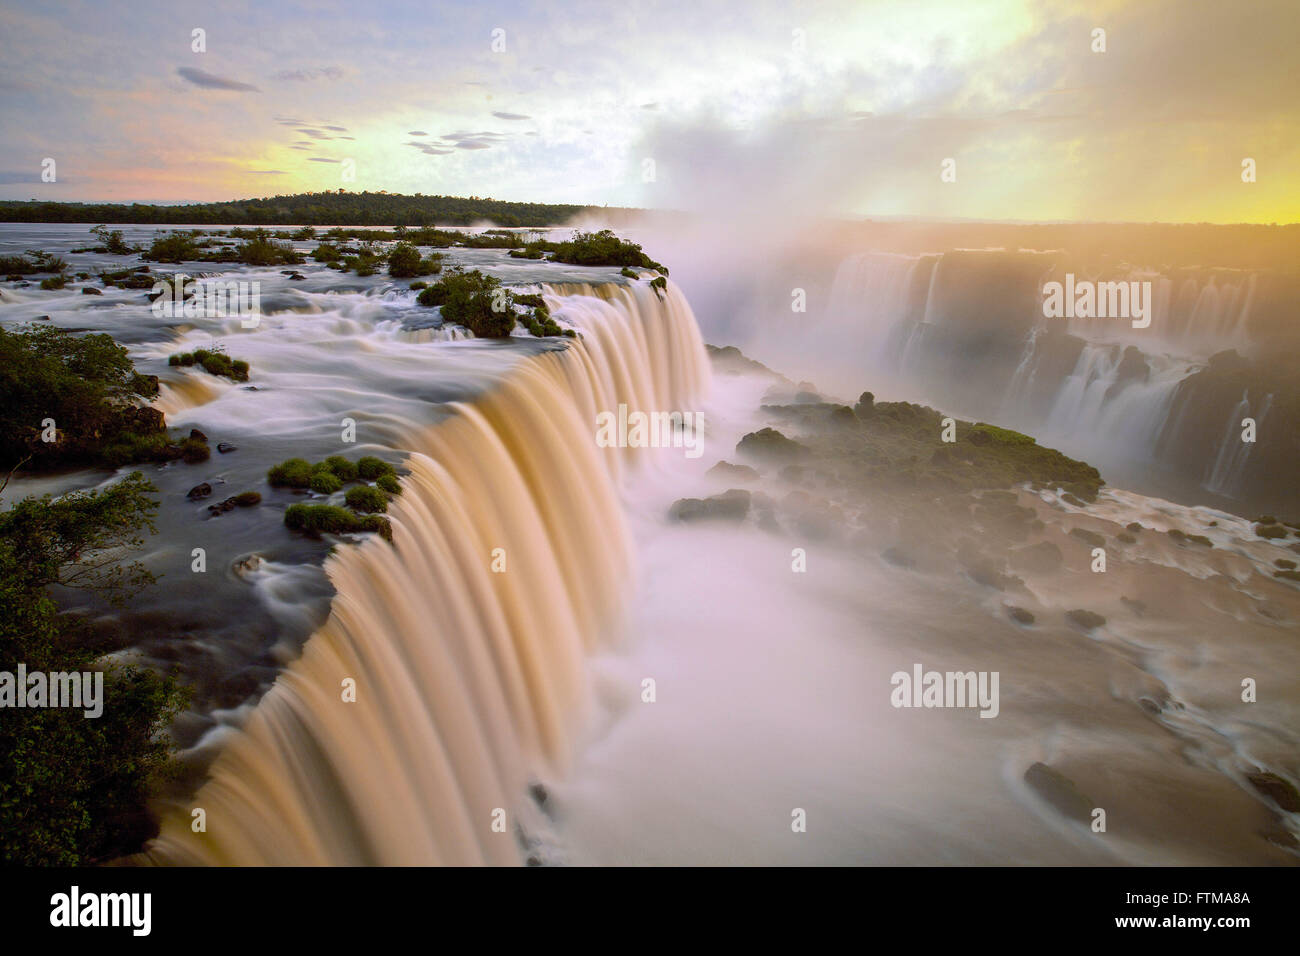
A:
(1084, 619)
(1059, 791)
(1280, 791)
(225, 447)
(1019, 614)
(199, 491)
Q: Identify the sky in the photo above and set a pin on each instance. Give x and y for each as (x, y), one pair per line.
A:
(818, 108)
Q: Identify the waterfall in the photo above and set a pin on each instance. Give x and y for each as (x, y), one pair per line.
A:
(467, 680)
(1224, 476)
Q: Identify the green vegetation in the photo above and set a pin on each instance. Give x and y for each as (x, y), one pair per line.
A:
(80, 392)
(603, 249)
(112, 242)
(366, 498)
(899, 446)
(326, 482)
(257, 249)
(328, 477)
(213, 362)
(73, 788)
(294, 473)
(315, 520)
(32, 262)
(318, 209)
(473, 300)
(369, 468)
(54, 283)
(404, 262)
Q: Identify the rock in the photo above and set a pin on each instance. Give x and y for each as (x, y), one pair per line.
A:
(768, 444)
(866, 405)
(1280, 791)
(730, 472)
(91, 290)
(1059, 791)
(222, 507)
(196, 435)
(731, 505)
(1084, 619)
(225, 447)
(42, 318)
(1090, 538)
(199, 491)
(898, 558)
(1044, 556)
(145, 419)
(538, 792)
(1134, 527)
(1019, 614)
(1133, 604)
(247, 564)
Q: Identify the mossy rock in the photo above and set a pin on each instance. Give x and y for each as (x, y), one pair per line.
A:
(1271, 531)
(293, 473)
(366, 498)
(325, 482)
(369, 468)
(389, 484)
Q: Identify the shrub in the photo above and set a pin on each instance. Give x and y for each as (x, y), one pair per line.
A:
(404, 261)
(370, 468)
(416, 286)
(341, 467)
(293, 473)
(325, 482)
(54, 282)
(194, 451)
(603, 249)
(247, 499)
(389, 483)
(366, 498)
(315, 520)
(326, 252)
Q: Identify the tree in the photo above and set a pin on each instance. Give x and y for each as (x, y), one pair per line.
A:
(72, 788)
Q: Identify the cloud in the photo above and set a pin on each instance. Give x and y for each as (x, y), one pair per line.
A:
(313, 133)
(649, 106)
(336, 129)
(428, 149)
(302, 76)
(210, 81)
(472, 144)
(416, 132)
(321, 159)
(269, 172)
(510, 116)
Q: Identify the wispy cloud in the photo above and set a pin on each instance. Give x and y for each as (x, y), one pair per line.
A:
(210, 81)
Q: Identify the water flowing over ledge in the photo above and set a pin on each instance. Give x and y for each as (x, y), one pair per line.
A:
(467, 680)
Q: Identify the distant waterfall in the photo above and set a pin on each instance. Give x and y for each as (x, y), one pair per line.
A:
(1224, 476)
(467, 680)
(965, 330)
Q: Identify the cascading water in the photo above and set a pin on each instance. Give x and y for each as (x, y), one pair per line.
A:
(467, 679)
(970, 336)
